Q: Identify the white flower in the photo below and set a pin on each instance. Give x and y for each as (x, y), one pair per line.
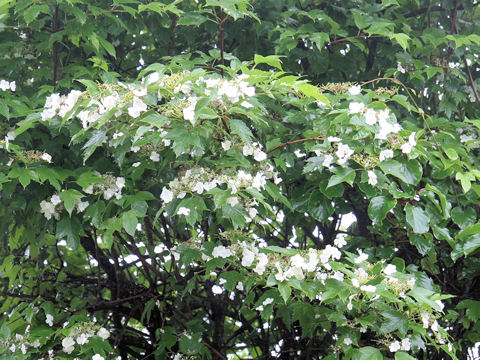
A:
(383, 115)
(435, 326)
(198, 187)
(247, 150)
(183, 211)
(247, 257)
(120, 182)
(226, 145)
(337, 275)
(368, 288)
(355, 89)
(406, 148)
(406, 344)
(36, 343)
(140, 92)
(343, 153)
(394, 346)
(361, 257)
(262, 262)
(298, 260)
(55, 200)
(189, 111)
(340, 241)
(267, 301)
(440, 304)
(327, 160)
(356, 107)
(347, 341)
(372, 178)
(370, 117)
(4, 85)
(386, 154)
(166, 195)
(136, 164)
(390, 269)
(221, 251)
(82, 339)
(154, 156)
(13, 86)
(68, 345)
(137, 107)
(239, 286)
(49, 320)
(331, 139)
(246, 104)
(48, 209)
(12, 348)
(135, 148)
(355, 282)
(81, 205)
(46, 157)
(232, 201)
(103, 333)
(217, 289)
(400, 68)
(98, 357)
(259, 155)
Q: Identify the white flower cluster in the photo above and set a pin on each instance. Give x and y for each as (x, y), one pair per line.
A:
(22, 343)
(112, 186)
(200, 180)
(49, 208)
(385, 128)
(297, 266)
(5, 85)
(54, 207)
(254, 149)
(396, 345)
(81, 334)
(61, 105)
(234, 89)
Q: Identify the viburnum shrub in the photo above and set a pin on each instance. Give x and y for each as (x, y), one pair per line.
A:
(186, 180)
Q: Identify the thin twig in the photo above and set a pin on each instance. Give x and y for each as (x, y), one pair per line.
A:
(294, 142)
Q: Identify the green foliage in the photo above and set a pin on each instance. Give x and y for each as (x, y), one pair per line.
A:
(239, 179)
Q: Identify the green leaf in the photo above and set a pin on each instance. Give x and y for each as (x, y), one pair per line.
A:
(409, 171)
(401, 355)
(69, 197)
(345, 174)
(312, 91)
(379, 207)
(192, 18)
(71, 229)
(394, 320)
(368, 353)
(402, 39)
(285, 291)
(417, 219)
(272, 60)
(238, 127)
(33, 11)
(95, 141)
(466, 180)
(129, 222)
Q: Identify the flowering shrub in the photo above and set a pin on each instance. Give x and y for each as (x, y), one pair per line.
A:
(219, 207)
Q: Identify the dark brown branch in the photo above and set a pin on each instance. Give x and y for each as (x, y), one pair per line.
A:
(470, 80)
(294, 142)
(222, 38)
(55, 47)
(172, 29)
